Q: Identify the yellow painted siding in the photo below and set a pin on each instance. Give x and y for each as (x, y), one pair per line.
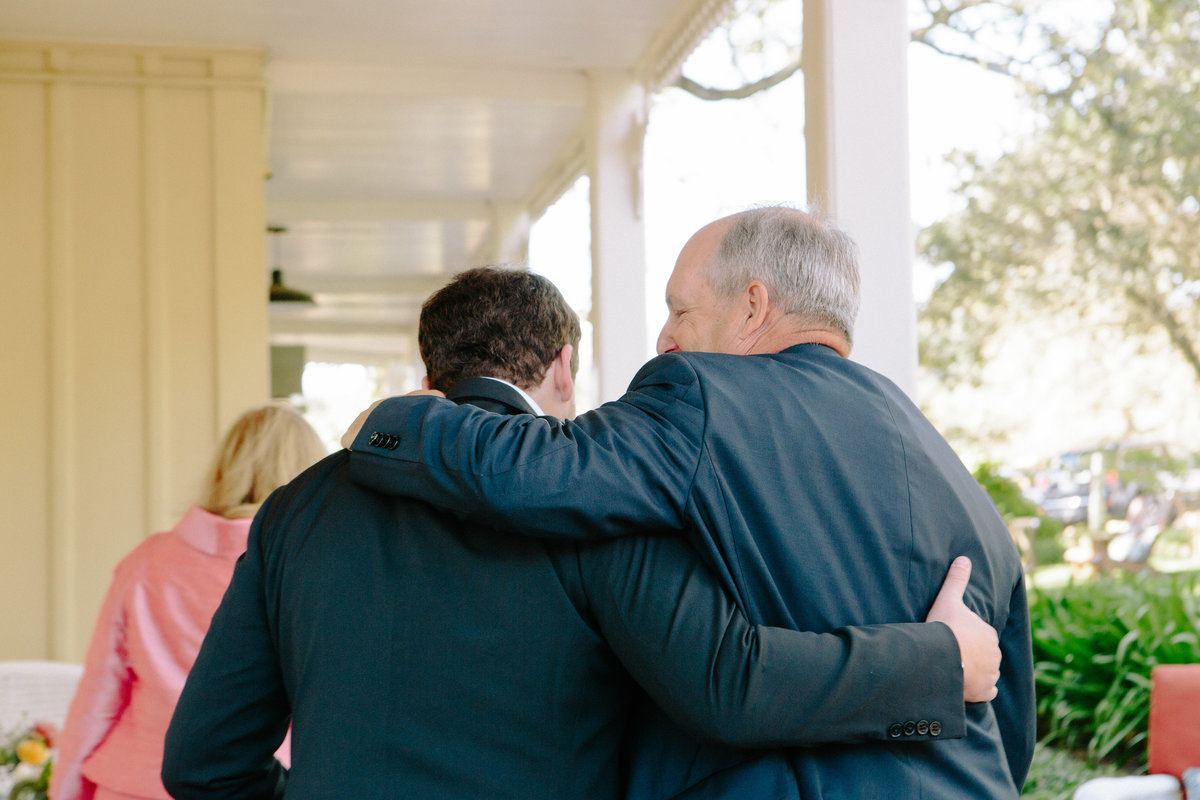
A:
(134, 308)
(24, 371)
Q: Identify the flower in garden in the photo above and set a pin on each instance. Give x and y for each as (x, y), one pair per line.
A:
(33, 751)
(48, 731)
(26, 759)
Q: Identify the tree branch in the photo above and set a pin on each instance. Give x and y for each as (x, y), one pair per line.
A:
(741, 92)
(941, 17)
(999, 67)
(1176, 333)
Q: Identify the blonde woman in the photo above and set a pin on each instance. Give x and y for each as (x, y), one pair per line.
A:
(158, 608)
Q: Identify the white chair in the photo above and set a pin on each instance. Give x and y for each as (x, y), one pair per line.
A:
(36, 691)
(1133, 787)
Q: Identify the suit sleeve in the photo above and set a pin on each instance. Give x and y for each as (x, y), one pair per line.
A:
(623, 468)
(1015, 705)
(626, 468)
(719, 677)
(233, 712)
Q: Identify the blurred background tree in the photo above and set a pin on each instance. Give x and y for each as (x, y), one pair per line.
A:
(1088, 230)
(1096, 215)
(1065, 310)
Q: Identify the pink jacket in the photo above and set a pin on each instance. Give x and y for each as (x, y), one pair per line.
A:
(155, 615)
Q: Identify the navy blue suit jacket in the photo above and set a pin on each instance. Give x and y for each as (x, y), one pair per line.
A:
(816, 490)
(417, 656)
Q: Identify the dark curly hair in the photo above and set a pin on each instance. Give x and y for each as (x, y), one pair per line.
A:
(495, 322)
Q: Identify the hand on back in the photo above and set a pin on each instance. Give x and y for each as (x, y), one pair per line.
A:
(978, 641)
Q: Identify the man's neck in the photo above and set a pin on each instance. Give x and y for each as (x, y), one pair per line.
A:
(782, 333)
(831, 340)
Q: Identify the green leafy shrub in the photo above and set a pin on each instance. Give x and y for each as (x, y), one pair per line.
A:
(1046, 536)
(1094, 645)
(1004, 491)
(1048, 545)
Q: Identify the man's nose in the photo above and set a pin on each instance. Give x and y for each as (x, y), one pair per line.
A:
(665, 343)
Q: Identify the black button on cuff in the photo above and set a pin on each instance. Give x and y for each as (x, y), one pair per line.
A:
(935, 728)
(895, 730)
(910, 728)
(923, 727)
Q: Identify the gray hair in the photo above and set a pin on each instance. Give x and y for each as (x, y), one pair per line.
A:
(810, 268)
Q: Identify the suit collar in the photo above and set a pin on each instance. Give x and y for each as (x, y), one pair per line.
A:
(812, 347)
(488, 393)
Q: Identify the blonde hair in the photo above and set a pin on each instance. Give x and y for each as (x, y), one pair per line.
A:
(264, 449)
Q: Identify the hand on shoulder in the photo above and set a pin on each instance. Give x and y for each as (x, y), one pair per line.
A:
(352, 432)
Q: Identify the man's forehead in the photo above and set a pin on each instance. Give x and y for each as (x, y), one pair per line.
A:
(704, 242)
(683, 279)
(688, 290)
(690, 274)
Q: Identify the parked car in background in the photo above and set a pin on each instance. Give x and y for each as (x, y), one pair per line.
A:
(1131, 474)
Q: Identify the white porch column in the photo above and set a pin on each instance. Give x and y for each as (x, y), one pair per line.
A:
(615, 135)
(856, 112)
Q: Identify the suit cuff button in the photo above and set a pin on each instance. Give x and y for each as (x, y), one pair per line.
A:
(922, 727)
(373, 439)
(935, 728)
(895, 730)
(910, 728)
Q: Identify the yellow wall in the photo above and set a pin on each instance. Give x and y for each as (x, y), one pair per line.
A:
(133, 315)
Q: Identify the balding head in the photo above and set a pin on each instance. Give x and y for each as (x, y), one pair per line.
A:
(761, 281)
(809, 267)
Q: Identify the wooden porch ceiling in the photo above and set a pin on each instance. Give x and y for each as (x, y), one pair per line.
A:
(398, 129)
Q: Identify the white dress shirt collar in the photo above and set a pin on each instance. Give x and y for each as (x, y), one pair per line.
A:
(537, 410)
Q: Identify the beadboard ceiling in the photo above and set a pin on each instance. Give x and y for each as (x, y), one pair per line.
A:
(399, 130)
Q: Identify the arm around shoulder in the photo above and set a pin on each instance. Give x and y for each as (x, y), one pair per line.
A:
(620, 469)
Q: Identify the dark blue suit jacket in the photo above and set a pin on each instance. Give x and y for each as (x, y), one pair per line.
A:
(815, 489)
(416, 656)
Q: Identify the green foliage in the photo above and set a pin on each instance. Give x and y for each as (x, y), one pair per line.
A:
(32, 788)
(1006, 494)
(1094, 646)
(1055, 774)
(1095, 215)
(1048, 545)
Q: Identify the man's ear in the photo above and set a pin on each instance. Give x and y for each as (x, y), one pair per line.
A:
(425, 382)
(564, 383)
(757, 303)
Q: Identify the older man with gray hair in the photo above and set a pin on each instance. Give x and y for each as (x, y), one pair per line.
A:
(813, 486)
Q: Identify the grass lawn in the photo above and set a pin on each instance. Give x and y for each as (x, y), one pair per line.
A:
(1177, 550)
(1056, 774)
